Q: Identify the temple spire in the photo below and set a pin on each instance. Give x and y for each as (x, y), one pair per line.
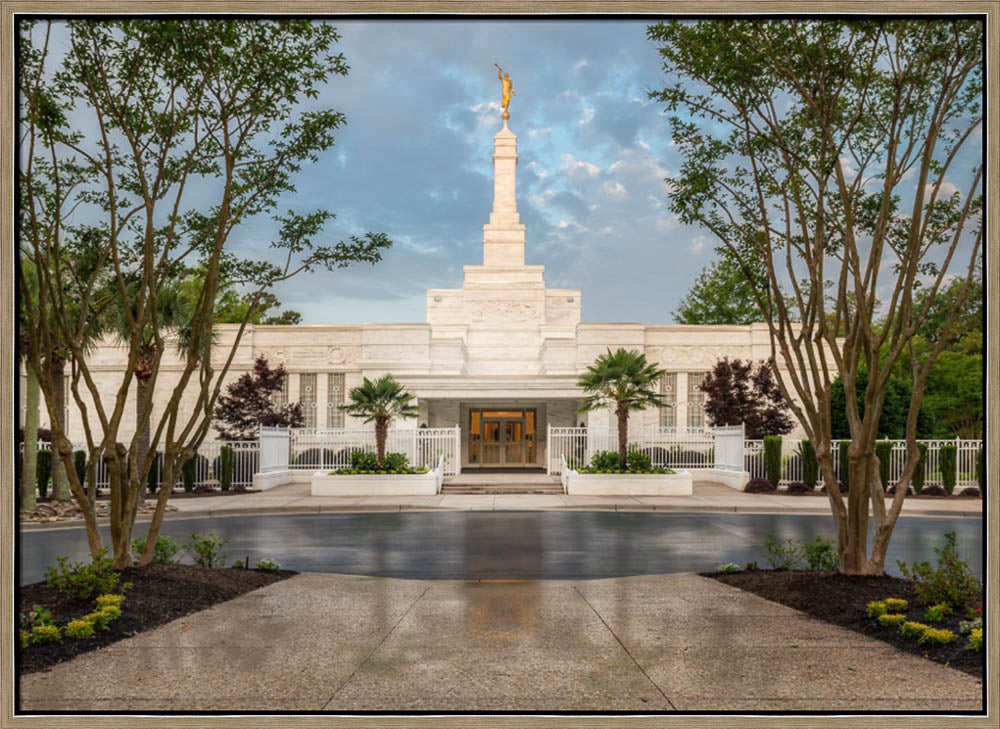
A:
(503, 236)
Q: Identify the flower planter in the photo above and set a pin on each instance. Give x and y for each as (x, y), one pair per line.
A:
(376, 484)
(628, 484)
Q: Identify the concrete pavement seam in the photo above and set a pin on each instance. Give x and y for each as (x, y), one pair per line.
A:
(624, 648)
(375, 649)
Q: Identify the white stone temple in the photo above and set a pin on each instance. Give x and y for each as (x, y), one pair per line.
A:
(500, 356)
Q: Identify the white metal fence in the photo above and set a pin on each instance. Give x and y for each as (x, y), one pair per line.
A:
(331, 448)
(207, 464)
(966, 459)
(666, 447)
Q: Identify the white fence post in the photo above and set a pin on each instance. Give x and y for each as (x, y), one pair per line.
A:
(274, 449)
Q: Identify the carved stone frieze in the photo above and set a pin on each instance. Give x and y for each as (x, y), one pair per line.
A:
(686, 355)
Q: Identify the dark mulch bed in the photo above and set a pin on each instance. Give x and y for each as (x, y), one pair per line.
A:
(199, 492)
(841, 600)
(159, 593)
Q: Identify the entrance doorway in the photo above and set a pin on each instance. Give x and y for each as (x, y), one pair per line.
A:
(502, 438)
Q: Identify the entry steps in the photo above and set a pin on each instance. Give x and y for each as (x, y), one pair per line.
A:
(502, 483)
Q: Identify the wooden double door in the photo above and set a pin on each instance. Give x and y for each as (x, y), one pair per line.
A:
(501, 438)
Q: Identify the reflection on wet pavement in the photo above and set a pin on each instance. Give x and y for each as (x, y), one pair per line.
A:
(519, 545)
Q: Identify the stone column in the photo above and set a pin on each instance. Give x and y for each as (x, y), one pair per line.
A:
(503, 236)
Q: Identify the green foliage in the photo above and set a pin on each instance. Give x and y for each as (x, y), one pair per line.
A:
(936, 636)
(79, 629)
(920, 473)
(164, 552)
(721, 295)
(638, 461)
(821, 554)
(111, 612)
(99, 619)
(81, 581)
(380, 402)
(883, 450)
(936, 613)
(967, 626)
(948, 458)
(772, 458)
(951, 583)
(782, 555)
(80, 466)
(45, 634)
(810, 465)
(188, 473)
(896, 605)
(975, 641)
(913, 630)
(876, 609)
(206, 549)
(111, 598)
(153, 477)
(395, 462)
(895, 409)
(227, 460)
(364, 461)
(606, 461)
(751, 567)
(845, 464)
(726, 569)
(268, 565)
(890, 621)
(25, 638)
(43, 469)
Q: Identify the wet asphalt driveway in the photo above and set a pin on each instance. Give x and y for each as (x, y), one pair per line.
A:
(568, 545)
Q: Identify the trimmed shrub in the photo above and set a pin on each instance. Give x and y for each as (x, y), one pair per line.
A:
(364, 461)
(153, 477)
(80, 466)
(45, 634)
(43, 471)
(81, 581)
(639, 461)
(759, 486)
(920, 473)
(111, 612)
(206, 549)
(395, 462)
(937, 636)
(79, 629)
(891, 621)
(975, 641)
(844, 475)
(725, 569)
(772, 458)
(936, 613)
(875, 609)
(810, 466)
(25, 637)
(226, 463)
(842, 487)
(883, 451)
(188, 474)
(951, 584)
(949, 456)
(892, 490)
(821, 555)
(606, 461)
(268, 565)
(912, 630)
(933, 490)
(110, 598)
(895, 604)
(163, 552)
(797, 487)
(970, 493)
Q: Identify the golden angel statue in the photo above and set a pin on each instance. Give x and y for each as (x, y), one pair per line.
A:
(507, 91)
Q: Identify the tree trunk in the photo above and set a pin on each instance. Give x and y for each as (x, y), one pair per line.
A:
(381, 431)
(863, 469)
(29, 476)
(622, 413)
(60, 481)
(168, 476)
(142, 422)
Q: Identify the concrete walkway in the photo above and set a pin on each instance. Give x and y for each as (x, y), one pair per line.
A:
(707, 498)
(334, 643)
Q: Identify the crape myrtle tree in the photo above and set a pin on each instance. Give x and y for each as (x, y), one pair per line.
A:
(737, 392)
(193, 127)
(623, 381)
(840, 151)
(249, 404)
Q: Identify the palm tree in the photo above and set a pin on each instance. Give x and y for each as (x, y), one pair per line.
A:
(625, 380)
(380, 401)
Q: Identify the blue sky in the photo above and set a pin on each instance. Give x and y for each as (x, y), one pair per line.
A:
(422, 106)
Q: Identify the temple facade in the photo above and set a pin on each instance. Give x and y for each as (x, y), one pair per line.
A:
(499, 357)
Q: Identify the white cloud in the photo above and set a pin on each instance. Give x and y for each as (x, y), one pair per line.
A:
(946, 191)
(534, 133)
(615, 189)
(544, 198)
(588, 114)
(697, 244)
(579, 65)
(562, 224)
(572, 166)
